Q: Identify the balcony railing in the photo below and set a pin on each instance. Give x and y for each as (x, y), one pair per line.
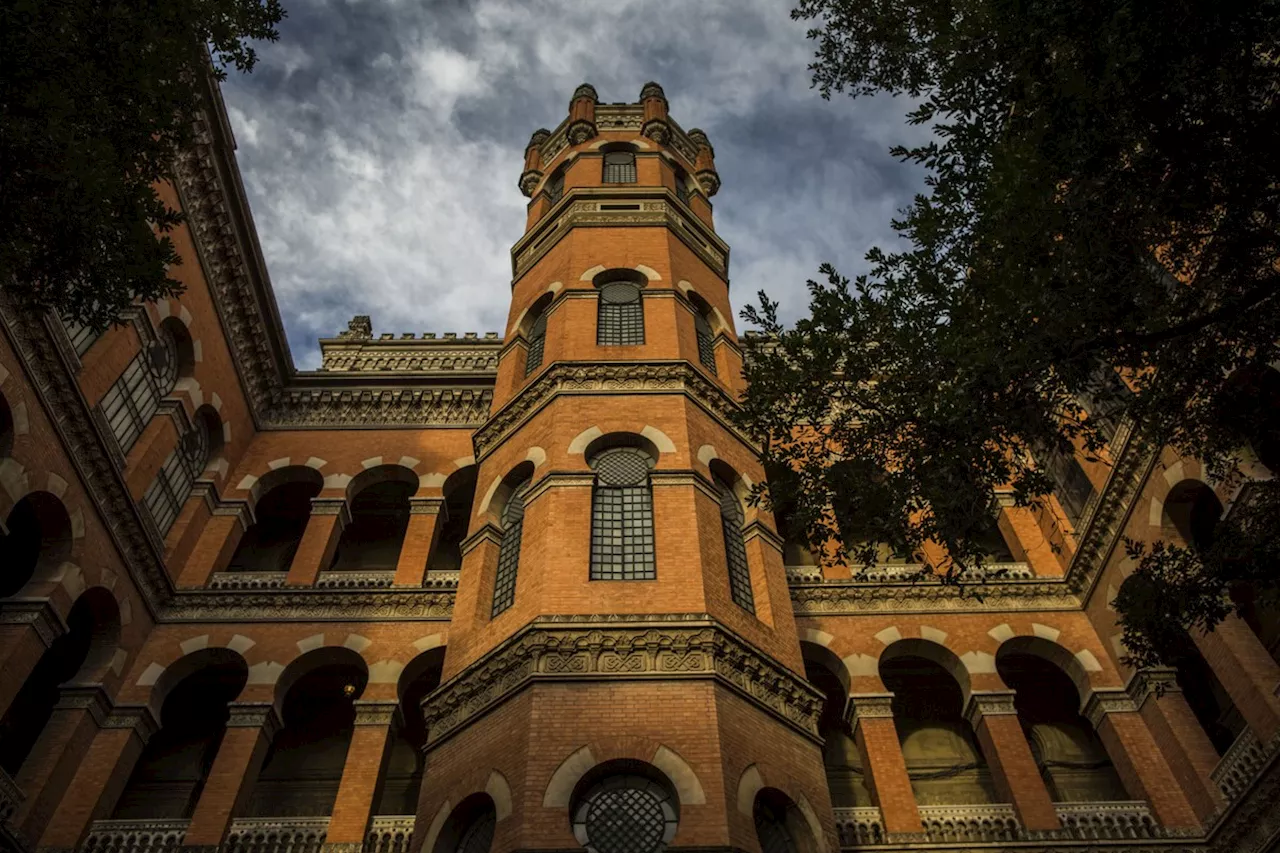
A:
(1129, 819)
(903, 572)
(993, 822)
(1239, 765)
(356, 580)
(860, 826)
(247, 580)
(135, 836)
(389, 834)
(277, 835)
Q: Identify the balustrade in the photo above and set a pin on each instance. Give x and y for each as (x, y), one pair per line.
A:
(247, 580)
(1239, 765)
(994, 822)
(277, 835)
(860, 826)
(389, 834)
(1090, 821)
(135, 836)
(356, 580)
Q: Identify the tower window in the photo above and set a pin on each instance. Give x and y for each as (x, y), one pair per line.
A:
(622, 516)
(537, 343)
(504, 584)
(620, 318)
(706, 344)
(620, 167)
(735, 549)
(555, 185)
(626, 814)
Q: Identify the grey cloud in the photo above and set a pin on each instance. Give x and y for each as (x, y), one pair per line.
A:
(381, 141)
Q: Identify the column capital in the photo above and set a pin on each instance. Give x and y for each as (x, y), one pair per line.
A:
(1156, 680)
(254, 714)
(989, 703)
(370, 712)
(1111, 700)
(425, 506)
(88, 697)
(332, 506)
(236, 508)
(136, 717)
(866, 706)
(39, 614)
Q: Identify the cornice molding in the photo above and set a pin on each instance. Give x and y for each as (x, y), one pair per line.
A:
(39, 613)
(569, 650)
(850, 597)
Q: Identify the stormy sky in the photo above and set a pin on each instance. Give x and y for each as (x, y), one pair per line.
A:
(380, 142)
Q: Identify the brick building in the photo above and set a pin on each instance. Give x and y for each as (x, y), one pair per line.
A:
(503, 592)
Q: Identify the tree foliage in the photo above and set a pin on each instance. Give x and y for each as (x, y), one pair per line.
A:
(95, 97)
(1102, 201)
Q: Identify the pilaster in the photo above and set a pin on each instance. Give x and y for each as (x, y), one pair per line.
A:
(871, 717)
(1180, 737)
(1247, 672)
(995, 721)
(419, 536)
(366, 759)
(215, 546)
(240, 755)
(319, 541)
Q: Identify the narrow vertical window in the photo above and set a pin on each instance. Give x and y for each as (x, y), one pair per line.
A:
(537, 344)
(172, 486)
(620, 316)
(555, 186)
(620, 167)
(504, 584)
(706, 345)
(622, 516)
(132, 399)
(735, 549)
(82, 337)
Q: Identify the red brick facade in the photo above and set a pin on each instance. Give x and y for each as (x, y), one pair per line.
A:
(510, 720)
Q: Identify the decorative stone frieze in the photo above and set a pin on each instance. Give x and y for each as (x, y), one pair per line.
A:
(425, 506)
(397, 604)
(841, 596)
(1107, 701)
(554, 650)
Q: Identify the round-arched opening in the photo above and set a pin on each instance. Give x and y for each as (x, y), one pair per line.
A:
(303, 768)
(1194, 510)
(780, 827)
(455, 520)
(205, 440)
(840, 756)
(281, 515)
(39, 537)
(944, 761)
(378, 501)
(172, 355)
(469, 827)
(624, 806)
(172, 771)
(1072, 759)
(402, 775)
(93, 628)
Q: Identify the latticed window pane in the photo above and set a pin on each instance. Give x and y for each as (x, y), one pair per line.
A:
(537, 343)
(130, 402)
(620, 167)
(622, 541)
(620, 319)
(772, 832)
(479, 836)
(706, 347)
(555, 186)
(735, 550)
(168, 491)
(82, 337)
(626, 814)
(504, 585)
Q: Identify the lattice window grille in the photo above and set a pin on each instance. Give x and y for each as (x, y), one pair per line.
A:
(537, 344)
(620, 167)
(168, 491)
(479, 835)
(622, 538)
(504, 584)
(620, 317)
(555, 186)
(772, 832)
(130, 402)
(735, 549)
(706, 342)
(82, 337)
(626, 814)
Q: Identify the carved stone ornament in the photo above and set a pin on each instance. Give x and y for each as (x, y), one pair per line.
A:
(1103, 702)
(324, 605)
(581, 131)
(249, 715)
(529, 181)
(425, 506)
(868, 706)
(360, 327)
(709, 181)
(547, 650)
(627, 377)
(136, 717)
(989, 703)
(658, 130)
(1153, 681)
(375, 713)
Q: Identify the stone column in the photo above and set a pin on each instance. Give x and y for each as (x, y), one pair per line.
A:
(424, 516)
(27, 630)
(215, 546)
(871, 717)
(99, 780)
(1180, 737)
(319, 541)
(234, 772)
(1133, 751)
(366, 758)
(51, 764)
(1004, 746)
(1247, 671)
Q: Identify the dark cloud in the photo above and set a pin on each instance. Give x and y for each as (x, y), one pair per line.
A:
(381, 142)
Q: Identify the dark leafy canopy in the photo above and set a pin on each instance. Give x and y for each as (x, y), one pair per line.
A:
(1104, 184)
(95, 96)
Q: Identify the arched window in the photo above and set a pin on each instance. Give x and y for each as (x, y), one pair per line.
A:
(402, 775)
(682, 184)
(82, 337)
(173, 483)
(622, 516)
(379, 519)
(625, 811)
(281, 515)
(735, 550)
(706, 342)
(451, 528)
(36, 537)
(504, 584)
(620, 167)
(771, 829)
(470, 827)
(133, 399)
(537, 344)
(620, 316)
(840, 756)
(554, 188)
